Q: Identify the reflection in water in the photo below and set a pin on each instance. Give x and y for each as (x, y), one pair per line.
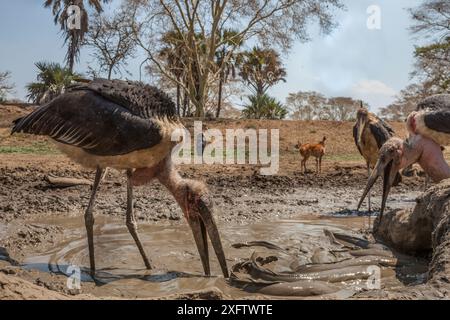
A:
(172, 250)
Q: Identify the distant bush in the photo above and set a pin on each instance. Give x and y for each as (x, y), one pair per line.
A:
(264, 107)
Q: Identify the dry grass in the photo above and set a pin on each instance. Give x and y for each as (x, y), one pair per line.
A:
(340, 147)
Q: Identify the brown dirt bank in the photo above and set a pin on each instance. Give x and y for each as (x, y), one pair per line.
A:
(424, 228)
(238, 191)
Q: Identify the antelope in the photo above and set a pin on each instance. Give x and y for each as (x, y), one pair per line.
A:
(316, 150)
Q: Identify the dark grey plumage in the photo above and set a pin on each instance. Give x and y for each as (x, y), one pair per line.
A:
(142, 100)
(103, 117)
(380, 130)
(436, 102)
(114, 118)
(438, 120)
(435, 112)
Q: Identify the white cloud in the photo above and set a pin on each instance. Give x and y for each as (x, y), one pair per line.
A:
(376, 92)
(373, 87)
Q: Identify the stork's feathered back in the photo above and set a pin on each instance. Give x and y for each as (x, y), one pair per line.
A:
(433, 119)
(436, 102)
(103, 117)
(140, 99)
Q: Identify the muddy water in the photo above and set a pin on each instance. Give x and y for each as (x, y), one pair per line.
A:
(177, 265)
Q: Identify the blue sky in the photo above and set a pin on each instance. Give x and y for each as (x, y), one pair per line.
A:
(352, 61)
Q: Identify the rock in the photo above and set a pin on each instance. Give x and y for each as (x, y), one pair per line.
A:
(421, 229)
(427, 227)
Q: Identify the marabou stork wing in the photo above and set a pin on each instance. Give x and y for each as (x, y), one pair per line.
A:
(388, 128)
(381, 131)
(436, 102)
(87, 120)
(438, 120)
(434, 125)
(142, 100)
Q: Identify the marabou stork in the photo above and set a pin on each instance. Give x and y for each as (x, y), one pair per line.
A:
(127, 126)
(370, 133)
(429, 129)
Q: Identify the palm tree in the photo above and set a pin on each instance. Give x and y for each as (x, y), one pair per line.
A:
(74, 37)
(226, 61)
(52, 81)
(264, 107)
(261, 69)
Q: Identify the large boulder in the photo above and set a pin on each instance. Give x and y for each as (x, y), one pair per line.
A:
(420, 229)
(425, 228)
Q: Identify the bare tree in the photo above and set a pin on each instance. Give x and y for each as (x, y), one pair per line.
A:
(313, 105)
(227, 68)
(226, 91)
(431, 25)
(305, 105)
(341, 109)
(201, 23)
(432, 22)
(111, 38)
(5, 86)
(405, 102)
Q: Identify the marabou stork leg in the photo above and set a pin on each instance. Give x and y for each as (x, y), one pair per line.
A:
(427, 182)
(131, 220)
(368, 196)
(105, 172)
(89, 219)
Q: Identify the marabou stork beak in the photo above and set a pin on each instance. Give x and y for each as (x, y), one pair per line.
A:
(202, 225)
(388, 166)
(360, 129)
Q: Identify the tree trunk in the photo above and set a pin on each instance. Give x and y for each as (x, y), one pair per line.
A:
(178, 98)
(185, 103)
(259, 90)
(199, 101)
(109, 73)
(219, 102)
(199, 108)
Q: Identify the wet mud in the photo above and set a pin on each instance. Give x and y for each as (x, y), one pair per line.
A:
(42, 233)
(178, 271)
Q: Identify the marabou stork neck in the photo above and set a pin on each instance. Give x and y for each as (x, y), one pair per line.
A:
(429, 128)
(370, 133)
(126, 125)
